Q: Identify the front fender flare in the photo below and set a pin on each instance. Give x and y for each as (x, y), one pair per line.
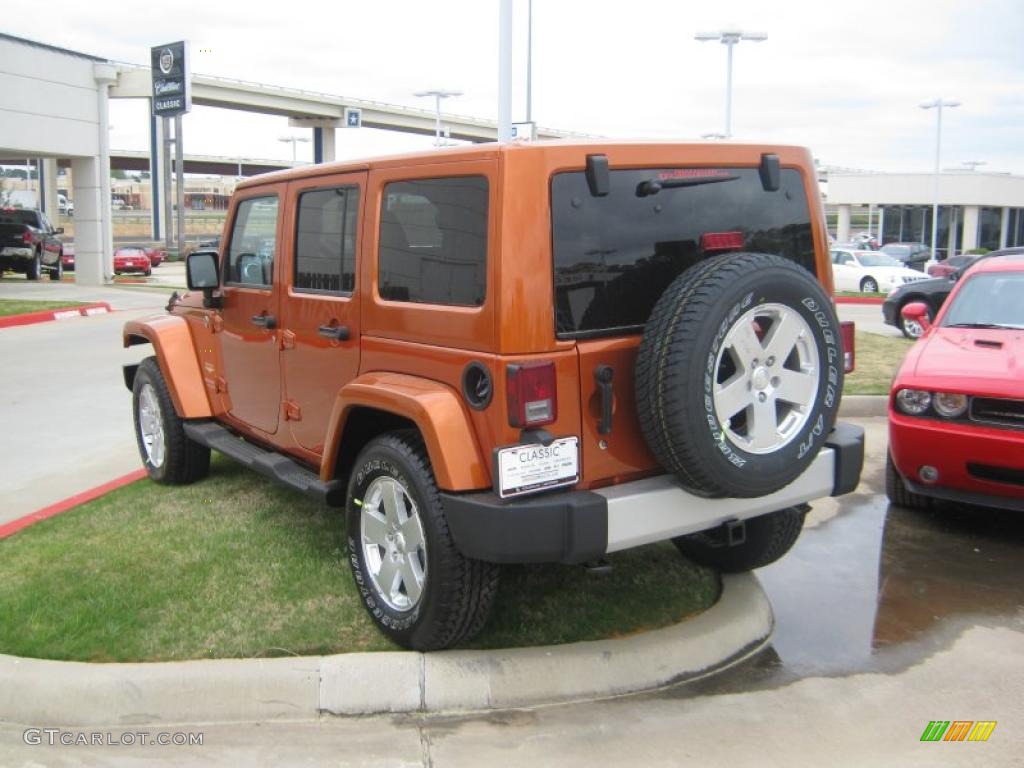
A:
(176, 355)
(435, 408)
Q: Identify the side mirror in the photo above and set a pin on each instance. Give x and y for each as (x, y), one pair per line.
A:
(201, 275)
(918, 312)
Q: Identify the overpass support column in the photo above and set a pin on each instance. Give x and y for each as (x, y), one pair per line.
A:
(1004, 227)
(843, 224)
(48, 185)
(970, 227)
(323, 135)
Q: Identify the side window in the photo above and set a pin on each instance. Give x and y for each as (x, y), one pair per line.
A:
(433, 241)
(253, 243)
(325, 240)
(835, 257)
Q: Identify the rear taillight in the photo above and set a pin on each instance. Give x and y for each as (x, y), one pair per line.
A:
(27, 238)
(532, 399)
(717, 242)
(849, 348)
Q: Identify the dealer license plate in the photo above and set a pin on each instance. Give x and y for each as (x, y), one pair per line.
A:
(526, 468)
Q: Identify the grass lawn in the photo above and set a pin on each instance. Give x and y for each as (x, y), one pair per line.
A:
(19, 307)
(236, 566)
(878, 357)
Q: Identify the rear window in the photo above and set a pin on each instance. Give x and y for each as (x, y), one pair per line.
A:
(615, 255)
(18, 217)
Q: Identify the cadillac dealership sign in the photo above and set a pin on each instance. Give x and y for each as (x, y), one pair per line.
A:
(172, 86)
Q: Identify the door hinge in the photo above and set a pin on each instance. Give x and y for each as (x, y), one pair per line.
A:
(292, 412)
(287, 339)
(217, 324)
(219, 384)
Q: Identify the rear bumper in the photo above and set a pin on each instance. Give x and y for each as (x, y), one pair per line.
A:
(577, 526)
(17, 254)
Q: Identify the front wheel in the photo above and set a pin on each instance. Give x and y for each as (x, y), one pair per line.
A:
(869, 285)
(416, 585)
(911, 328)
(168, 454)
(767, 538)
(897, 490)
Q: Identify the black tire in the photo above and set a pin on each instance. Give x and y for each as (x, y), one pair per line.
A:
(34, 268)
(897, 490)
(913, 330)
(688, 335)
(456, 593)
(768, 537)
(869, 285)
(181, 460)
(57, 271)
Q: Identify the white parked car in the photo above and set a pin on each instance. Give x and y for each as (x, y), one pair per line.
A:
(869, 271)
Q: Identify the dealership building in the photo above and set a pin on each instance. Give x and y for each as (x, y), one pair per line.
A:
(976, 210)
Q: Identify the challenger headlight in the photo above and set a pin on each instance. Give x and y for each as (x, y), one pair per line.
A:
(949, 405)
(913, 401)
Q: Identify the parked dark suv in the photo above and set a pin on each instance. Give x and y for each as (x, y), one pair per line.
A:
(913, 255)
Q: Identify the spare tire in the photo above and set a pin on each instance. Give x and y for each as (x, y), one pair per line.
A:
(739, 374)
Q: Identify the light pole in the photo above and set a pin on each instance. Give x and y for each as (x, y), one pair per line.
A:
(293, 140)
(937, 105)
(729, 38)
(438, 95)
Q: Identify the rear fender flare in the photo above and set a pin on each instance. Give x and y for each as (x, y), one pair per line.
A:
(436, 410)
(176, 355)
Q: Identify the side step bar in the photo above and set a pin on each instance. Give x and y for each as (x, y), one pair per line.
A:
(268, 463)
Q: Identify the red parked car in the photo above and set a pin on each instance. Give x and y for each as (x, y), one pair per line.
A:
(952, 264)
(156, 256)
(67, 256)
(956, 408)
(132, 260)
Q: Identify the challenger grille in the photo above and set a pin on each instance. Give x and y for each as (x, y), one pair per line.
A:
(1004, 413)
(997, 474)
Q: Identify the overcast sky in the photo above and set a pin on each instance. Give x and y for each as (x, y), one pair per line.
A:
(844, 79)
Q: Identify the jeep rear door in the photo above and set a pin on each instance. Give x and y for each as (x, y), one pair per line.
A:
(320, 313)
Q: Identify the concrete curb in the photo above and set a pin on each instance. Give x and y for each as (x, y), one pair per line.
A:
(51, 693)
(864, 405)
(46, 315)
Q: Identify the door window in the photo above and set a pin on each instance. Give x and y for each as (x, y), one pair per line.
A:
(325, 241)
(253, 243)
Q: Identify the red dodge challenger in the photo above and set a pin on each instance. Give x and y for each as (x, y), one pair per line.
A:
(956, 408)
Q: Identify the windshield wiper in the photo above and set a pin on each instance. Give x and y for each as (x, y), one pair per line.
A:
(654, 186)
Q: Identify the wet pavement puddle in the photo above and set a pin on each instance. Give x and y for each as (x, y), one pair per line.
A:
(878, 588)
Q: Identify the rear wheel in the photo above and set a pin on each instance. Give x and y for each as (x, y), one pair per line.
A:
(34, 268)
(767, 538)
(897, 490)
(869, 285)
(416, 585)
(169, 456)
(738, 375)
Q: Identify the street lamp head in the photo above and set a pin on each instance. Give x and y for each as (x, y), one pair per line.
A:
(441, 94)
(289, 139)
(940, 102)
(730, 36)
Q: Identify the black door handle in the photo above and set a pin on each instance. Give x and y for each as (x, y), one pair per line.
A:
(336, 332)
(265, 321)
(603, 374)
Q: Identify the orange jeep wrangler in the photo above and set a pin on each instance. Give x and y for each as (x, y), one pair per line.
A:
(515, 353)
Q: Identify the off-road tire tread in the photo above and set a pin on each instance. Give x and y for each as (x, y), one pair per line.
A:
(185, 461)
(465, 594)
(768, 538)
(34, 268)
(668, 348)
